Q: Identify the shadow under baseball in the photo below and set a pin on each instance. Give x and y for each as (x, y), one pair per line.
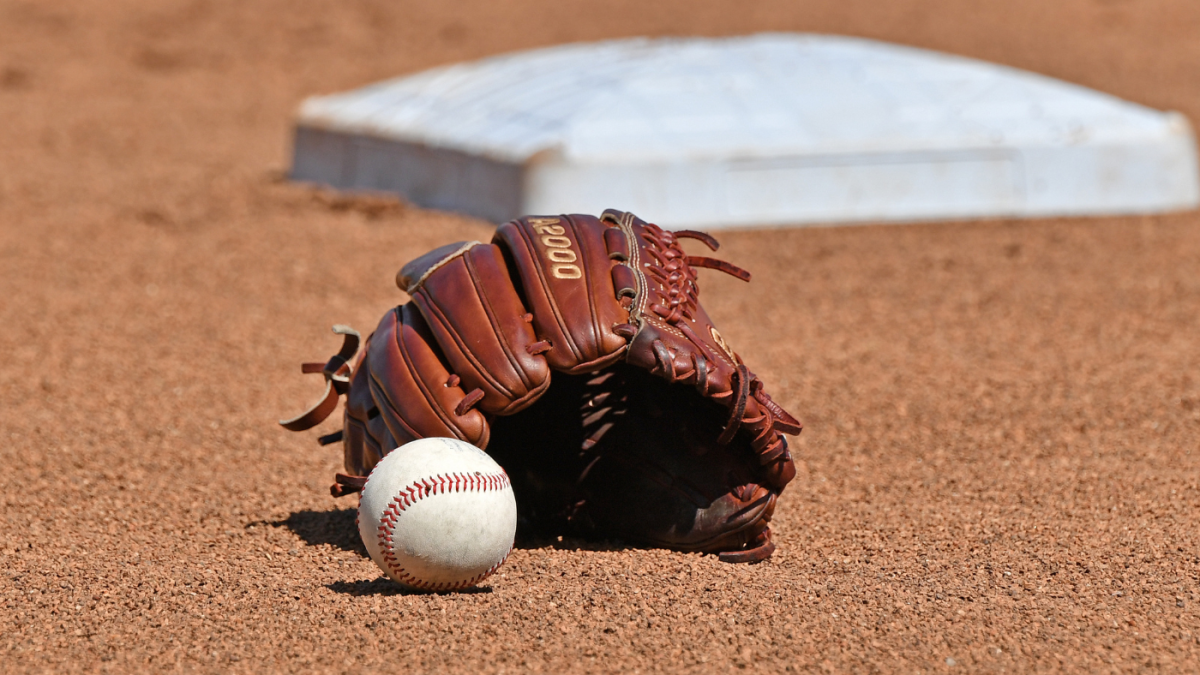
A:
(333, 528)
(385, 586)
(337, 528)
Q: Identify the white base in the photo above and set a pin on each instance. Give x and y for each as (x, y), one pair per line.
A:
(769, 129)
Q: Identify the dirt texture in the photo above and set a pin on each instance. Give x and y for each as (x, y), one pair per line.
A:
(1000, 470)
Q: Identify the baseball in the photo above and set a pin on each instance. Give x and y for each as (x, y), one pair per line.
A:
(438, 514)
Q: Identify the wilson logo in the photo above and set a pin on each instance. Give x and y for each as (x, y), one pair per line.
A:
(557, 248)
(720, 340)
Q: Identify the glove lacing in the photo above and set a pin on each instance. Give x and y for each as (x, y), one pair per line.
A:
(675, 270)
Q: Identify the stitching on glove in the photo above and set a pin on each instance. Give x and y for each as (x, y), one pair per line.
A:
(461, 250)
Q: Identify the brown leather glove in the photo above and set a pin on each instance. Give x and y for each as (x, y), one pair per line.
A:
(693, 459)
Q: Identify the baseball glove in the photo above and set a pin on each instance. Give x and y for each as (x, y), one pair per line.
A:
(652, 430)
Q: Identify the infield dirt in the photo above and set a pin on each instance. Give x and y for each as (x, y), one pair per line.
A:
(1000, 467)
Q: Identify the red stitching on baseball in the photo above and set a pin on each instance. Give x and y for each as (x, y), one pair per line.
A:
(417, 491)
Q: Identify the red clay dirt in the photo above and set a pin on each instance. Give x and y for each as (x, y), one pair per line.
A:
(1000, 470)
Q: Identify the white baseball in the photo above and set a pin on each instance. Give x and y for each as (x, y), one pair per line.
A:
(438, 514)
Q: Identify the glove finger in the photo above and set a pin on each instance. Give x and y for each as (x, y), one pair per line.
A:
(566, 275)
(410, 386)
(467, 297)
(365, 434)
